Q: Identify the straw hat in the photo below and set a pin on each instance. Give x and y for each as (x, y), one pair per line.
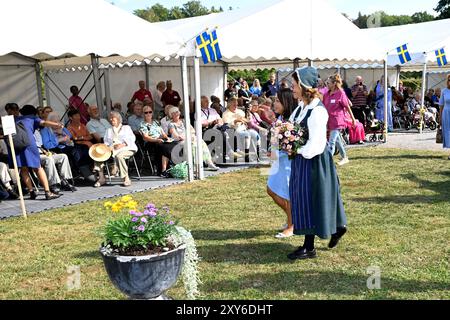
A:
(100, 152)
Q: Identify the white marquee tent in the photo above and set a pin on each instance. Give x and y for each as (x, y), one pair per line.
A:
(422, 40)
(282, 31)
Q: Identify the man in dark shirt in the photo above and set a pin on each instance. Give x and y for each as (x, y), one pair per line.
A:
(270, 87)
(170, 97)
(230, 92)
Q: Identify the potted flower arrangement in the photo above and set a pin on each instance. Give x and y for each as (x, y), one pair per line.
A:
(144, 251)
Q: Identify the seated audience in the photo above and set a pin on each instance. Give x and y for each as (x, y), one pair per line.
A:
(136, 119)
(177, 131)
(97, 126)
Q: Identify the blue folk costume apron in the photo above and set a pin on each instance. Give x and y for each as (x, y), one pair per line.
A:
(316, 202)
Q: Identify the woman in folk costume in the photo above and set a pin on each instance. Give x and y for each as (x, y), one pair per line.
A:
(316, 204)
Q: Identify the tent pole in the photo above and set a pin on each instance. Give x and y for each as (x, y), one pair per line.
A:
(107, 91)
(225, 79)
(39, 84)
(147, 76)
(97, 84)
(398, 77)
(187, 146)
(198, 122)
(385, 99)
(47, 90)
(422, 102)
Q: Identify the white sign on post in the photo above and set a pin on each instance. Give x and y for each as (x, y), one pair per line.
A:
(9, 128)
(9, 125)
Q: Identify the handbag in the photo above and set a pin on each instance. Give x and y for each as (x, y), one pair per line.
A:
(439, 135)
(179, 171)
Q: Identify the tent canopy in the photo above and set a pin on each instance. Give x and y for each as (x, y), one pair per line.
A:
(282, 30)
(420, 37)
(67, 28)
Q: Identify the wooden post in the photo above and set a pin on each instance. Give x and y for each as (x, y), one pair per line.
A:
(16, 172)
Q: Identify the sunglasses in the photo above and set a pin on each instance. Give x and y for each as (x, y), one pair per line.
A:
(148, 112)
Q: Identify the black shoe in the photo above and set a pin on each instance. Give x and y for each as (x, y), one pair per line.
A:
(301, 253)
(165, 174)
(12, 194)
(55, 189)
(336, 237)
(66, 186)
(33, 195)
(50, 196)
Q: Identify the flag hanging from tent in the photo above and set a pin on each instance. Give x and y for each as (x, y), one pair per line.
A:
(441, 57)
(403, 54)
(215, 45)
(208, 44)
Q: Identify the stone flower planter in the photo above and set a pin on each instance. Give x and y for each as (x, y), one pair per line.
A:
(144, 277)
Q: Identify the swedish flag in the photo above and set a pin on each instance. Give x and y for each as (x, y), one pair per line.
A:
(403, 54)
(215, 45)
(204, 45)
(441, 57)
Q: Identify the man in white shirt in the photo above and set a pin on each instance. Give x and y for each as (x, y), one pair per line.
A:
(235, 118)
(209, 117)
(97, 126)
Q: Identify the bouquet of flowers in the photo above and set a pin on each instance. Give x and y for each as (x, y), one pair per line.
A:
(289, 137)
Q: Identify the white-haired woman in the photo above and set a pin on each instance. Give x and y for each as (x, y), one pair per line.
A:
(177, 131)
(122, 141)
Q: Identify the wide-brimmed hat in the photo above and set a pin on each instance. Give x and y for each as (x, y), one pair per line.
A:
(308, 77)
(100, 152)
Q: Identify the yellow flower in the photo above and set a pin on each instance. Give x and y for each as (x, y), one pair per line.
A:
(132, 205)
(116, 208)
(126, 199)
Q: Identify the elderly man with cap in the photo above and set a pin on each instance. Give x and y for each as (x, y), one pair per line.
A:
(316, 203)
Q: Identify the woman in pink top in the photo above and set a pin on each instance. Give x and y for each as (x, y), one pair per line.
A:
(336, 103)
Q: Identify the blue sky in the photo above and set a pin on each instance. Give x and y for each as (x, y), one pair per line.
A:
(351, 7)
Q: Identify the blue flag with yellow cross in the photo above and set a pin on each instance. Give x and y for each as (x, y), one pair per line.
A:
(208, 44)
(403, 54)
(441, 57)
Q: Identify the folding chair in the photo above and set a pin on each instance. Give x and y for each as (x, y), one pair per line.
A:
(128, 162)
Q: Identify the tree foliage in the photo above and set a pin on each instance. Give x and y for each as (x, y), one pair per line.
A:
(387, 20)
(158, 12)
(443, 8)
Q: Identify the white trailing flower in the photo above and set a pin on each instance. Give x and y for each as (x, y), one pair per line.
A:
(190, 272)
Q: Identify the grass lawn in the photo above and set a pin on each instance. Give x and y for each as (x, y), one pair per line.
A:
(398, 208)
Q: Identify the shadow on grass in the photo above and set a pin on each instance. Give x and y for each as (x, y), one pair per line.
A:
(323, 282)
(401, 157)
(89, 255)
(440, 188)
(226, 234)
(252, 253)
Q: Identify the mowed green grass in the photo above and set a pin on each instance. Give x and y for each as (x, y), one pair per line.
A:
(398, 208)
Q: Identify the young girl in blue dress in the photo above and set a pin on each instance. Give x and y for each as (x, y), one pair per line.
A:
(280, 172)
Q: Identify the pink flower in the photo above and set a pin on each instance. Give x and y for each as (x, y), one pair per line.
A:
(141, 228)
(287, 134)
